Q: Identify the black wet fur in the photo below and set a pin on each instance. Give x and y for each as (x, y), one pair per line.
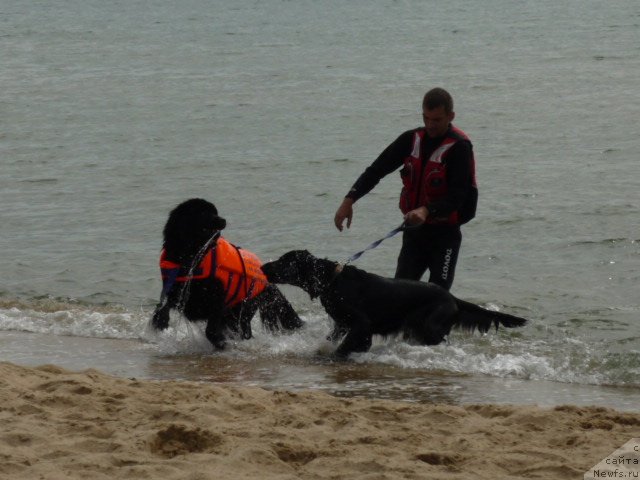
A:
(363, 304)
(189, 227)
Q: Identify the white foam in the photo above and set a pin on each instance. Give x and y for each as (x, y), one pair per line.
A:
(74, 322)
(503, 354)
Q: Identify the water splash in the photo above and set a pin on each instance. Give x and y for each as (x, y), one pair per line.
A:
(186, 288)
(544, 354)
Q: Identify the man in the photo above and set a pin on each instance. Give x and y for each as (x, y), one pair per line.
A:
(439, 191)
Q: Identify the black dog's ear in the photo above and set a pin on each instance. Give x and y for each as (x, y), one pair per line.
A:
(219, 223)
(304, 255)
(295, 256)
(299, 254)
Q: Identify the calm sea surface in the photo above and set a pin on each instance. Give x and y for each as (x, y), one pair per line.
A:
(112, 112)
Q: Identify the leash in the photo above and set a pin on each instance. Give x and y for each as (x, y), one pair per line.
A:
(396, 230)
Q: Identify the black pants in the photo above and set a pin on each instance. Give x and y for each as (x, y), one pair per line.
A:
(430, 247)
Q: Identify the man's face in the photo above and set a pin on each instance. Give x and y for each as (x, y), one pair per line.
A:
(436, 121)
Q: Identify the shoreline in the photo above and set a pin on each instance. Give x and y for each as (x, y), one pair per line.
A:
(59, 423)
(298, 372)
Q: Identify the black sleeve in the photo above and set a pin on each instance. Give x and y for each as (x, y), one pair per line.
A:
(459, 172)
(389, 160)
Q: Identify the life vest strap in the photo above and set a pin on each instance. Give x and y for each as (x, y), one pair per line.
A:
(245, 272)
(241, 280)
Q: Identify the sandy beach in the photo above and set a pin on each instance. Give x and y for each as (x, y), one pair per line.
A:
(60, 424)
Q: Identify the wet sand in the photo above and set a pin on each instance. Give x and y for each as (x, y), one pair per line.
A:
(63, 424)
(258, 368)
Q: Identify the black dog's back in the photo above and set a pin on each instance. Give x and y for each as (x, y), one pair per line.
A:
(387, 301)
(386, 298)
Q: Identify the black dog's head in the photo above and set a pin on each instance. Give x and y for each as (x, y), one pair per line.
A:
(300, 268)
(189, 227)
(291, 268)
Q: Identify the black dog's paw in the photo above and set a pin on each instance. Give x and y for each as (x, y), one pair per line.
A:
(219, 343)
(217, 339)
(245, 331)
(160, 319)
(338, 332)
(339, 357)
(215, 334)
(292, 323)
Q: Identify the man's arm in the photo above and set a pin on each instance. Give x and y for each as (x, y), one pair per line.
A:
(389, 160)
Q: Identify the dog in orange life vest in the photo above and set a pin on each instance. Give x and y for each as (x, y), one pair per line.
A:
(207, 278)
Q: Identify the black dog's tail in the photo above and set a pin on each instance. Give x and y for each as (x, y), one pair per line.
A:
(472, 317)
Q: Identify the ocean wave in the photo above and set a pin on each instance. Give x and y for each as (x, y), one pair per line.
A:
(56, 317)
(549, 353)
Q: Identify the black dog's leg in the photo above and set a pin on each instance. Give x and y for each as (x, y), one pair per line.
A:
(356, 324)
(160, 319)
(276, 312)
(430, 325)
(238, 319)
(215, 333)
(247, 311)
(357, 340)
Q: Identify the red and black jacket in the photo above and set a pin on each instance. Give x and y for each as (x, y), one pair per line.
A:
(425, 180)
(459, 193)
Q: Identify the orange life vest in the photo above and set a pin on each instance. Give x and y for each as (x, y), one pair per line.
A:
(237, 269)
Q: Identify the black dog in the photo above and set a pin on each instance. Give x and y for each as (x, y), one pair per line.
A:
(207, 278)
(363, 304)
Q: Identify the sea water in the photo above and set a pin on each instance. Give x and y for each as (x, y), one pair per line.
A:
(113, 112)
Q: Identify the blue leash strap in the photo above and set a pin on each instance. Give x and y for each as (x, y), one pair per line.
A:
(356, 256)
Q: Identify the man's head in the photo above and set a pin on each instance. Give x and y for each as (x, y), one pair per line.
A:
(437, 112)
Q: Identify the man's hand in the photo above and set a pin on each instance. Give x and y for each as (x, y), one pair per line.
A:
(417, 216)
(345, 210)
